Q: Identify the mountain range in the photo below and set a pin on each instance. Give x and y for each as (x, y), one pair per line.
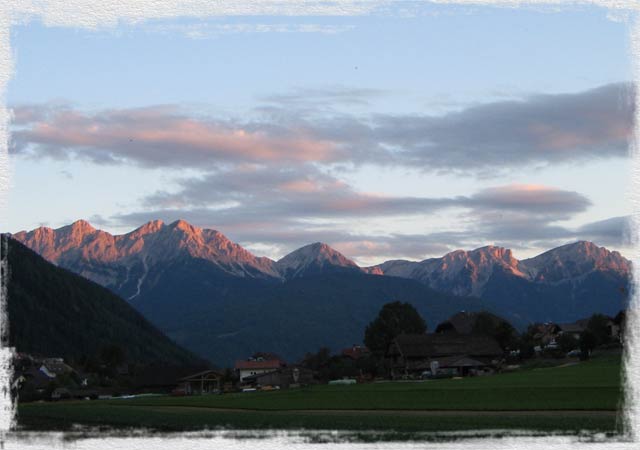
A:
(222, 302)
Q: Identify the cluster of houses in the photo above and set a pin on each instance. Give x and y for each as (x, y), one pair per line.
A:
(548, 334)
(48, 377)
(455, 349)
(261, 371)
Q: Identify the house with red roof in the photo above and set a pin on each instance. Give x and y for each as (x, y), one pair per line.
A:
(257, 366)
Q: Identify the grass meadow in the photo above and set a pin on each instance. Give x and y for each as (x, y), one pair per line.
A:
(573, 398)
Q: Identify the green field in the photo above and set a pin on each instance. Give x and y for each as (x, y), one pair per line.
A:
(584, 396)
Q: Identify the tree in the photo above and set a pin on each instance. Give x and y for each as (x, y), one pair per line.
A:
(599, 325)
(496, 327)
(527, 341)
(588, 342)
(620, 320)
(317, 361)
(112, 355)
(393, 319)
(567, 342)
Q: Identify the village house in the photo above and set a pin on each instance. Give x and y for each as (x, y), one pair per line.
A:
(411, 355)
(53, 367)
(257, 366)
(574, 329)
(283, 378)
(547, 333)
(578, 327)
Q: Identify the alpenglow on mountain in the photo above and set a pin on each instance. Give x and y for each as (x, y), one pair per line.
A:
(219, 300)
(314, 259)
(122, 262)
(468, 272)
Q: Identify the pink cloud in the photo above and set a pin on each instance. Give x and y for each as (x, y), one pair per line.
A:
(157, 138)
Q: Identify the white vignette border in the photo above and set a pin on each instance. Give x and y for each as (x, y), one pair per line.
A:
(89, 14)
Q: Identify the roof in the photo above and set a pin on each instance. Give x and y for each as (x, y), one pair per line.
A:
(571, 327)
(355, 352)
(464, 322)
(36, 377)
(461, 322)
(459, 361)
(447, 344)
(265, 364)
(56, 366)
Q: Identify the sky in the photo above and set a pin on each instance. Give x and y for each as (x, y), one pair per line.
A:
(401, 133)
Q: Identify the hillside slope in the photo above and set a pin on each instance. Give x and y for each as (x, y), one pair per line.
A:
(224, 319)
(54, 312)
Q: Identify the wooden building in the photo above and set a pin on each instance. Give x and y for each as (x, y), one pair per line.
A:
(206, 382)
(410, 355)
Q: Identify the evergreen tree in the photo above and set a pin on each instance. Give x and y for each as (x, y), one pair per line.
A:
(394, 319)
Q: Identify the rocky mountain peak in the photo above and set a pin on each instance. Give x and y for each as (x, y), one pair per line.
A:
(312, 259)
(153, 226)
(152, 243)
(81, 226)
(183, 225)
(575, 260)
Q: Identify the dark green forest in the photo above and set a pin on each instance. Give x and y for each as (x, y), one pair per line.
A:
(53, 312)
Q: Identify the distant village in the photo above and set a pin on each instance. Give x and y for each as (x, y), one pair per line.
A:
(468, 344)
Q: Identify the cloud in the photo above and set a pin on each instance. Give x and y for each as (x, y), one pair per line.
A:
(215, 30)
(252, 192)
(540, 129)
(270, 178)
(286, 209)
(327, 95)
(260, 190)
(303, 127)
(530, 198)
(84, 14)
(160, 137)
(615, 231)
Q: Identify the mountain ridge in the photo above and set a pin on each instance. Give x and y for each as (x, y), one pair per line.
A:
(81, 240)
(219, 300)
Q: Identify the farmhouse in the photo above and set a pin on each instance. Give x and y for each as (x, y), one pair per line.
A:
(410, 355)
(257, 366)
